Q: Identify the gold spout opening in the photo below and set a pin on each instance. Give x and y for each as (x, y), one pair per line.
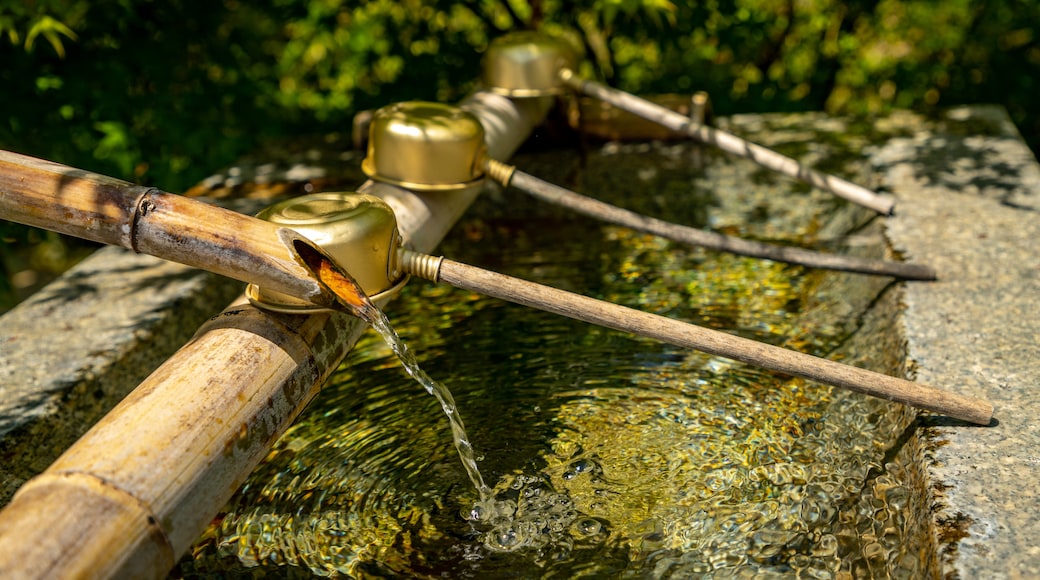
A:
(341, 286)
(357, 233)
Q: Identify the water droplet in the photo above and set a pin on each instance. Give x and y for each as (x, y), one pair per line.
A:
(583, 465)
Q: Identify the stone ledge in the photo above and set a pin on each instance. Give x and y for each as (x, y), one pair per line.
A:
(968, 193)
(77, 347)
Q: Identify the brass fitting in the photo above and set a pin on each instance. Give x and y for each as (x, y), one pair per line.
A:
(526, 64)
(425, 146)
(358, 231)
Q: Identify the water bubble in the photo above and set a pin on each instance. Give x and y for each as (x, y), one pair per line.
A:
(589, 526)
(583, 465)
(507, 538)
(532, 492)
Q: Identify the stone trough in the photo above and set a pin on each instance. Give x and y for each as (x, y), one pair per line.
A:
(967, 194)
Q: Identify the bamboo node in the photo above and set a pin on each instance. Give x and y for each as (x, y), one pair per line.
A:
(143, 205)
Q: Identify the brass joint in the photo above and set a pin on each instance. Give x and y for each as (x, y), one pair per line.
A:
(358, 231)
(424, 266)
(425, 146)
(500, 172)
(526, 64)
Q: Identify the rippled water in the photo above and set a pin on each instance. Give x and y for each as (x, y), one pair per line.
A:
(613, 455)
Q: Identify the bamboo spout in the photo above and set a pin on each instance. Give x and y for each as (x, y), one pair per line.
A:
(150, 221)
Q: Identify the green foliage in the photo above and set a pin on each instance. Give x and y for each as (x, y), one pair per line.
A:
(163, 92)
(166, 92)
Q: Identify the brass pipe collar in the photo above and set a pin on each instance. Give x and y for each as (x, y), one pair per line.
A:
(526, 64)
(358, 231)
(425, 146)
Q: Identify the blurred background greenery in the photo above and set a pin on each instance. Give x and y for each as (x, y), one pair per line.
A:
(167, 92)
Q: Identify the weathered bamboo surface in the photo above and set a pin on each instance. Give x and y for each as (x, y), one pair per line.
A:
(172, 453)
(730, 143)
(149, 221)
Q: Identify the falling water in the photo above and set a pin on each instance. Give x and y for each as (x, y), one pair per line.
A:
(527, 512)
(350, 297)
(458, 430)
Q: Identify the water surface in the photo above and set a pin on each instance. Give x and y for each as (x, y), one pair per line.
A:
(617, 455)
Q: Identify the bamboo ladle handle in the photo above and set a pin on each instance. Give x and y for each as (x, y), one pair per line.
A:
(728, 142)
(556, 301)
(508, 175)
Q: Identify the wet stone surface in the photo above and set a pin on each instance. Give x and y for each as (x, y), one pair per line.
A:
(969, 204)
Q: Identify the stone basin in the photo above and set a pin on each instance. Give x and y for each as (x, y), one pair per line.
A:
(967, 199)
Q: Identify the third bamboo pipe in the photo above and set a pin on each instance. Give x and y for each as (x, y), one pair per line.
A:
(728, 142)
(508, 175)
(617, 317)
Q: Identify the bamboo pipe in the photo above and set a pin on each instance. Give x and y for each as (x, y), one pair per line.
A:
(688, 335)
(728, 142)
(133, 493)
(139, 487)
(150, 221)
(540, 189)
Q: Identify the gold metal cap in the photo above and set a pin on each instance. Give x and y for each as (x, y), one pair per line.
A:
(358, 231)
(425, 147)
(526, 64)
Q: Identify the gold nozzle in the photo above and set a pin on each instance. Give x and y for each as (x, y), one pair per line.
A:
(358, 231)
(526, 64)
(425, 147)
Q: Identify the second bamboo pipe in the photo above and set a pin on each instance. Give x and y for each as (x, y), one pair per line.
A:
(688, 335)
(150, 221)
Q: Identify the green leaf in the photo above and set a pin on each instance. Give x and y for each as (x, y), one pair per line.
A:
(7, 26)
(52, 30)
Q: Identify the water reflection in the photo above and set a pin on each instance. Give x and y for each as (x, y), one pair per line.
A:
(617, 455)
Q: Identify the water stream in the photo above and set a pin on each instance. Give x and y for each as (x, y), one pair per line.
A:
(381, 324)
(526, 514)
(350, 297)
(523, 519)
(605, 454)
